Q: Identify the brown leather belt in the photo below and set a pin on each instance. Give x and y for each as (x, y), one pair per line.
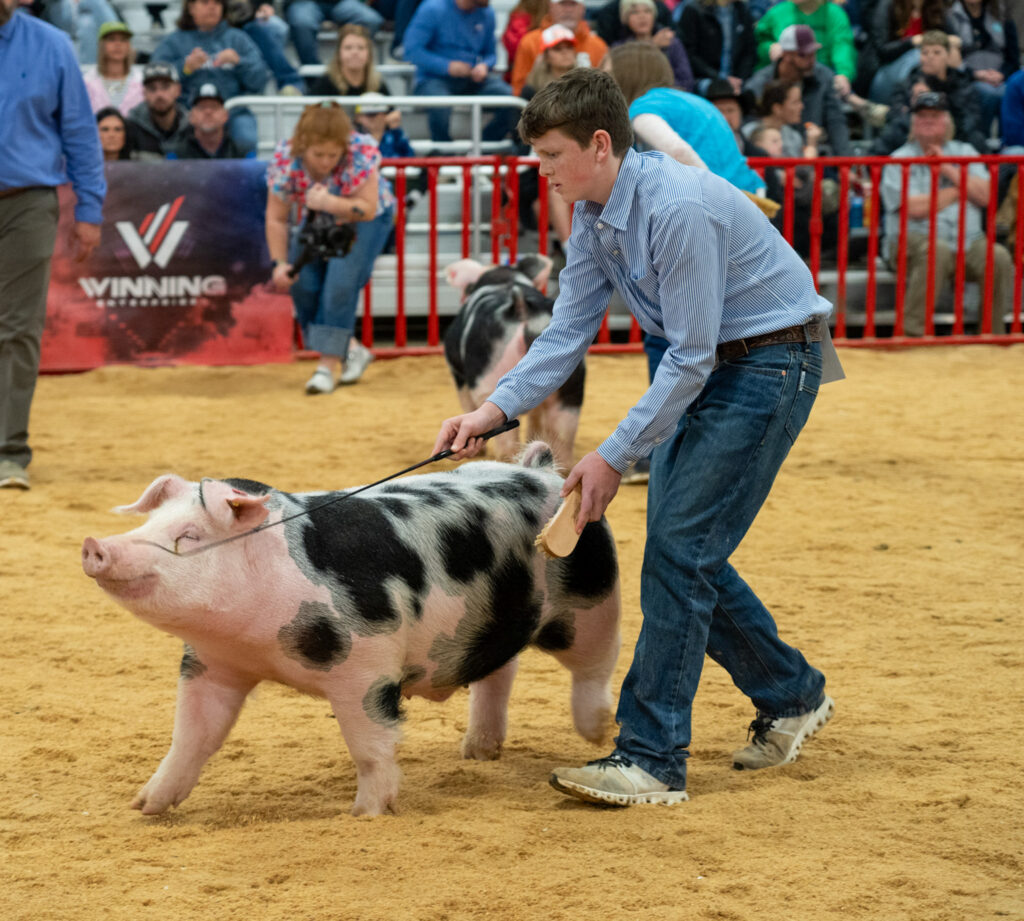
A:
(811, 331)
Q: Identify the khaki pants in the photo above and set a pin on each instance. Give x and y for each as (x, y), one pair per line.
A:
(945, 267)
(28, 230)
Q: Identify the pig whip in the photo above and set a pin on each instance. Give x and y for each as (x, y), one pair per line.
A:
(508, 426)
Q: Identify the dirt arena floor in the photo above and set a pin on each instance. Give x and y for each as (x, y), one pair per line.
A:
(890, 552)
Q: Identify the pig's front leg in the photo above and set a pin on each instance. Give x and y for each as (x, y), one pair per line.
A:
(369, 720)
(488, 713)
(206, 710)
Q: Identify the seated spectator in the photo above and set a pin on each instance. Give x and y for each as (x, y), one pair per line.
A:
(767, 141)
(114, 80)
(821, 103)
(933, 74)
(1013, 114)
(638, 16)
(719, 39)
(735, 106)
(524, 17)
(569, 13)
(609, 27)
(270, 33)
(893, 45)
(931, 132)
(113, 131)
(160, 119)
(452, 44)
(351, 70)
(306, 16)
(206, 137)
(990, 51)
(205, 49)
(327, 166)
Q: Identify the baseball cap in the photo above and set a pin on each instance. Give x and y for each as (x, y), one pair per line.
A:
(160, 71)
(937, 101)
(555, 35)
(207, 91)
(374, 104)
(113, 28)
(799, 39)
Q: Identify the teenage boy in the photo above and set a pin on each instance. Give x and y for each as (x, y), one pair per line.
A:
(700, 265)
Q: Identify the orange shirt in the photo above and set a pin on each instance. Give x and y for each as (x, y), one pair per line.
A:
(529, 48)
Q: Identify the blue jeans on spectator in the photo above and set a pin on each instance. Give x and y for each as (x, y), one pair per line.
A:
(306, 16)
(990, 103)
(497, 129)
(243, 128)
(708, 482)
(403, 14)
(271, 37)
(326, 293)
(91, 15)
(891, 75)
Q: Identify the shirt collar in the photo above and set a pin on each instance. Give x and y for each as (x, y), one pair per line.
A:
(620, 202)
(7, 29)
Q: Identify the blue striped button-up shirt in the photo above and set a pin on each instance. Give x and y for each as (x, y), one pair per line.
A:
(47, 129)
(696, 262)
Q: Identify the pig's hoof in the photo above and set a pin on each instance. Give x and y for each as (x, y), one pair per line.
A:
(481, 749)
(385, 808)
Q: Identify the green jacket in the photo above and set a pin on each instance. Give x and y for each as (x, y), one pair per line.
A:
(831, 27)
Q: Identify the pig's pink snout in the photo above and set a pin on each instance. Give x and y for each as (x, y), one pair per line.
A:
(95, 558)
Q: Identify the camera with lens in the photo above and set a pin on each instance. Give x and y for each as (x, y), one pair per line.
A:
(322, 237)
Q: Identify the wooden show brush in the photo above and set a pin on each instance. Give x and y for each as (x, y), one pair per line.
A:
(558, 537)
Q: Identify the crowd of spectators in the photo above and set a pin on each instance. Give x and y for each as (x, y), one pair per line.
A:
(788, 78)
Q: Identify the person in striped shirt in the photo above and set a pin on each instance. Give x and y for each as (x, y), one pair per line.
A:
(699, 264)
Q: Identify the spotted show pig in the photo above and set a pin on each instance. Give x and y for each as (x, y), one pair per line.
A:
(502, 313)
(419, 586)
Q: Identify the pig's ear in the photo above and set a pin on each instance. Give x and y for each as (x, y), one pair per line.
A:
(161, 490)
(460, 275)
(537, 268)
(248, 511)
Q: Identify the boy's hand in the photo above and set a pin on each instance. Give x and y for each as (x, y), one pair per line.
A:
(459, 432)
(600, 483)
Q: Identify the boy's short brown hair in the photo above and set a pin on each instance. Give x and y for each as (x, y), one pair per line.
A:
(585, 100)
(935, 37)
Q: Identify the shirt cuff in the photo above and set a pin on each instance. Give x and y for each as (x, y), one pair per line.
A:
(89, 213)
(617, 455)
(507, 402)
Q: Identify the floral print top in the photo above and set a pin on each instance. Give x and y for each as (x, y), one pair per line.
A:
(288, 179)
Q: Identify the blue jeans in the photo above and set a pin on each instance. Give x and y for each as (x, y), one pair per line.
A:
(891, 75)
(326, 293)
(708, 482)
(306, 16)
(243, 128)
(271, 37)
(497, 129)
(990, 103)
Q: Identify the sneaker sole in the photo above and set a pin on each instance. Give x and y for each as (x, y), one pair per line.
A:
(13, 482)
(824, 713)
(590, 795)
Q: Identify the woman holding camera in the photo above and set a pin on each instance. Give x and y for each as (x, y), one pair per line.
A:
(327, 167)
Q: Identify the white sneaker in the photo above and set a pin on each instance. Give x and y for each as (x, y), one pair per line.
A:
(614, 781)
(778, 741)
(356, 362)
(322, 381)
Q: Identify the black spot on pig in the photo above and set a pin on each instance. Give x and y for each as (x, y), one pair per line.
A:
(494, 629)
(191, 667)
(315, 638)
(394, 506)
(592, 568)
(354, 544)
(253, 487)
(383, 702)
(465, 548)
(556, 635)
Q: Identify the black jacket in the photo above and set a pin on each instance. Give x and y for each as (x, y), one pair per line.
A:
(188, 148)
(701, 35)
(149, 142)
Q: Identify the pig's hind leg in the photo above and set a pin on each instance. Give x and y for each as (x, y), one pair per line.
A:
(488, 713)
(206, 710)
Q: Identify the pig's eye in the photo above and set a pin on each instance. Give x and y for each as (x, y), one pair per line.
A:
(188, 535)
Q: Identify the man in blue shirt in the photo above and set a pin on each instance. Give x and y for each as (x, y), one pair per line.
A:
(700, 265)
(49, 135)
(451, 42)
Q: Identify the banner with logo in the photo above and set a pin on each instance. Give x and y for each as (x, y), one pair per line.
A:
(180, 275)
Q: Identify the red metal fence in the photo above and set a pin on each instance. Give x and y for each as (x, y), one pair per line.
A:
(855, 258)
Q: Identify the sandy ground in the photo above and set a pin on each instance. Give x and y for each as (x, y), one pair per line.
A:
(889, 552)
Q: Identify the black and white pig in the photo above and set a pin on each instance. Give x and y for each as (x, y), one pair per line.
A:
(503, 312)
(419, 587)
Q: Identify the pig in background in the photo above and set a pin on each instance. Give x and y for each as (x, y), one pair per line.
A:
(415, 587)
(502, 312)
